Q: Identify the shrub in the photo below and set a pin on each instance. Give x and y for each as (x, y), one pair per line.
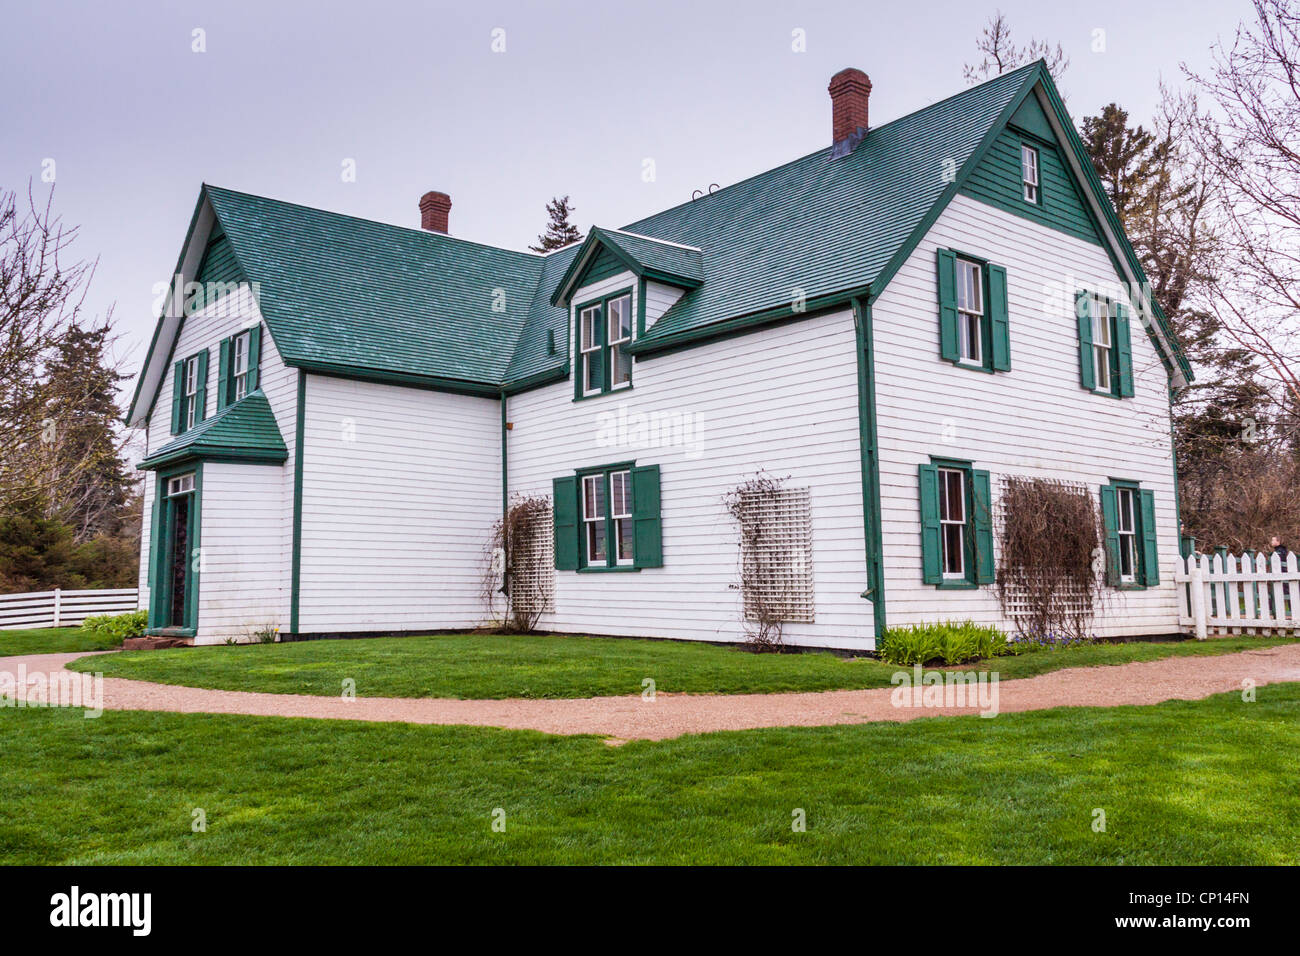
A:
(113, 629)
(944, 643)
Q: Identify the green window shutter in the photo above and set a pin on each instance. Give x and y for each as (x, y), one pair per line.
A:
(1123, 350)
(254, 355)
(1001, 330)
(1087, 369)
(947, 281)
(931, 545)
(223, 375)
(1110, 527)
(982, 506)
(1150, 552)
(201, 388)
(178, 398)
(565, 505)
(647, 525)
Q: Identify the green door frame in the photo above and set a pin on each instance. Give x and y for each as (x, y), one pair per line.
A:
(161, 557)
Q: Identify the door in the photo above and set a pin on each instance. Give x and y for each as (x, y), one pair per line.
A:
(175, 605)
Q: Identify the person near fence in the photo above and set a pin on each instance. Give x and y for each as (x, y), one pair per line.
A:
(1281, 551)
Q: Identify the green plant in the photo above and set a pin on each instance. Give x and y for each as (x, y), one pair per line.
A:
(944, 643)
(113, 629)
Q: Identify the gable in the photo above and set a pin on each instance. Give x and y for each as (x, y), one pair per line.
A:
(996, 181)
(1031, 119)
(603, 266)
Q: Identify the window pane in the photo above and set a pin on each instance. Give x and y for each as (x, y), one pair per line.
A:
(623, 538)
(593, 496)
(621, 494)
(589, 319)
(1101, 323)
(596, 542)
(952, 549)
(969, 287)
(241, 354)
(622, 366)
(620, 318)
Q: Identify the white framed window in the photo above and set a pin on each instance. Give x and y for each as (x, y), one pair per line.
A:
(620, 513)
(1029, 173)
(952, 521)
(239, 364)
(180, 485)
(970, 312)
(1101, 342)
(589, 350)
(191, 391)
(593, 518)
(619, 321)
(1126, 521)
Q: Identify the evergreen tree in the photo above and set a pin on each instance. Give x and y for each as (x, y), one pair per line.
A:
(559, 230)
(79, 395)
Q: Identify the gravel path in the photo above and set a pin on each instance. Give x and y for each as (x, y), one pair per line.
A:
(671, 715)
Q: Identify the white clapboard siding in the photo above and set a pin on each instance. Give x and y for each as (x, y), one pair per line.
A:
(244, 567)
(659, 298)
(1238, 593)
(401, 488)
(1033, 421)
(205, 329)
(60, 608)
(782, 399)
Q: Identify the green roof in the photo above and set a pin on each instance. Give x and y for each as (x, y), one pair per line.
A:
(669, 262)
(374, 300)
(244, 431)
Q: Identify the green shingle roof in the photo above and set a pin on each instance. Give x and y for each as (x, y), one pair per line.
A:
(351, 295)
(244, 431)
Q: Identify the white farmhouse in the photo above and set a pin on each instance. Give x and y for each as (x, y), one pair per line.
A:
(339, 410)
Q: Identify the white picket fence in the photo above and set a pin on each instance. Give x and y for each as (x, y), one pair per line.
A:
(59, 608)
(1239, 593)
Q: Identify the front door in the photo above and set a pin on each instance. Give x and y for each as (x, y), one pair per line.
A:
(175, 604)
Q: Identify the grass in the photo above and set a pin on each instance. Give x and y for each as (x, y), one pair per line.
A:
(488, 666)
(52, 640)
(1201, 782)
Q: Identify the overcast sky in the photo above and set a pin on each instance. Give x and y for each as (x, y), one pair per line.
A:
(414, 94)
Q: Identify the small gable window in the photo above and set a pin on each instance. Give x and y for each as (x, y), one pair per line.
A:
(604, 333)
(1029, 173)
(1105, 349)
(974, 331)
(189, 392)
(238, 369)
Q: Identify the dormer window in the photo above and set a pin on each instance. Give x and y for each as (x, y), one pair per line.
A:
(604, 333)
(1029, 173)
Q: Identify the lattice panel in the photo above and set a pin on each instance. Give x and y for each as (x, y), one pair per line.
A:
(776, 555)
(533, 587)
(1072, 599)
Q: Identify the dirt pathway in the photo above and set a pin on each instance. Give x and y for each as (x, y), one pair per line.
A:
(671, 715)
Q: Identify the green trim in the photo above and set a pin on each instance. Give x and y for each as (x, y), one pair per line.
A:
(540, 379)
(160, 558)
(611, 546)
(869, 444)
(987, 320)
(429, 382)
(1121, 346)
(970, 557)
(640, 306)
(233, 454)
(744, 324)
(299, 453)
(1139, 531)
(609, 244)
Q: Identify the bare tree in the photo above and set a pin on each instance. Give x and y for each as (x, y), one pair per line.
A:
(1250, 143)
(42, 292)
(999, 55)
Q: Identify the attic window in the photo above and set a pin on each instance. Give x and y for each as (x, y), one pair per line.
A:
(1029, 173)
(604, 331)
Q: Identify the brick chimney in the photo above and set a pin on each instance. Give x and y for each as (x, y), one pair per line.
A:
(434, 210)
(850, 91)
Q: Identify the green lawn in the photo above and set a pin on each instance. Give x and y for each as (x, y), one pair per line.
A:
(51, 640)
(1202, 782)
(487, 666)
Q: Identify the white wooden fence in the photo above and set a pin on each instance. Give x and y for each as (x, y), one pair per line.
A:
(60, 608)
(1239, 594)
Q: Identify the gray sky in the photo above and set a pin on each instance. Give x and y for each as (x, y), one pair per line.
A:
(414, 94)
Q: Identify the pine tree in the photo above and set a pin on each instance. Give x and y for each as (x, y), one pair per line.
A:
(559, 230)
(79, 392)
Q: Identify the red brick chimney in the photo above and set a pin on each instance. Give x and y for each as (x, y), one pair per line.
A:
(434, 210)
(850, 91)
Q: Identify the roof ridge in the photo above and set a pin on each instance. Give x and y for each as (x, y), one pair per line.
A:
(378, 222)
(825, 149)
(637, 235)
